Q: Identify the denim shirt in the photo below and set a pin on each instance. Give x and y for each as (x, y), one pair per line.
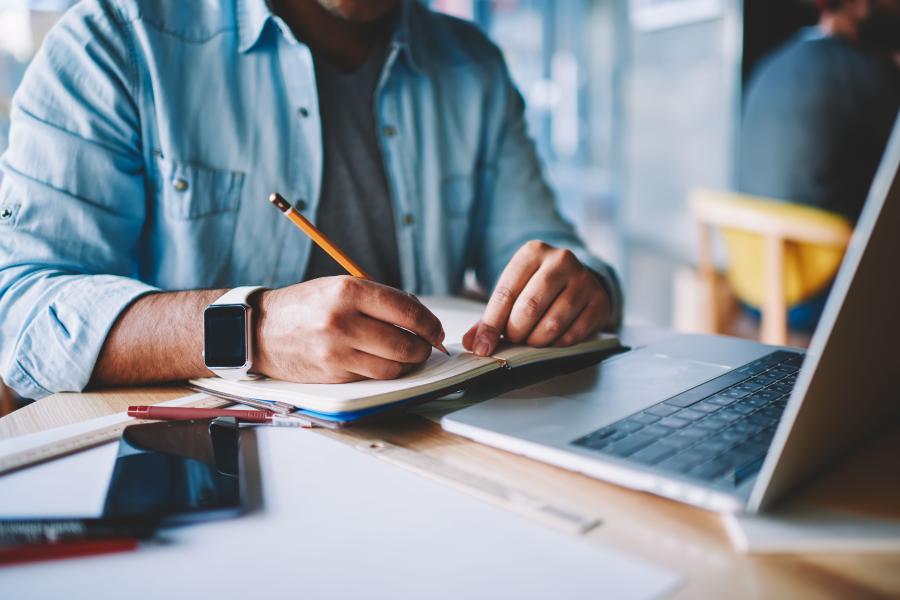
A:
(146, 137)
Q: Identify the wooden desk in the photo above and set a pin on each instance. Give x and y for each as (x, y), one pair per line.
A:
(687, 540)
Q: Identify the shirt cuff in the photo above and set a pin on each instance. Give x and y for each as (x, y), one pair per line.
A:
(59, 347)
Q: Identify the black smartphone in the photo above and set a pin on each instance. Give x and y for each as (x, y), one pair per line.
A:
(177, 472)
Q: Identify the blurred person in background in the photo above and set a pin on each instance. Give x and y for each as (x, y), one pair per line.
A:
(819, 110)
(818, 113)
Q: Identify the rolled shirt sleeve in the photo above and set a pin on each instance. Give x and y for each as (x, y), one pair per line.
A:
(517, 205)
(72, 205)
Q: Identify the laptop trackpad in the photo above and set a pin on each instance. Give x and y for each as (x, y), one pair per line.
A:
(562, 409)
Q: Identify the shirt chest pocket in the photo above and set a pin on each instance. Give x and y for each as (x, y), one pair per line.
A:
(187, 191)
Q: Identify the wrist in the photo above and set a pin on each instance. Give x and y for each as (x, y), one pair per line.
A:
(261, 304)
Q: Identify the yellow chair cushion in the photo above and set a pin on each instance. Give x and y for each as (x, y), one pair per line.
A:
(808, 267)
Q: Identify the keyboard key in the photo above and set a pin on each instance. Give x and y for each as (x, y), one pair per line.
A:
(712, 447)
(745, 408)
(764, 437)
(713, 423)
(628, 426)
(749, 386)
(720, 400)
(697, 433)
(767, 394)
(644, 418)
(730, 414)
(745, 428)
(662, 410)
(654, 453)
(795, 361)
(761, 421)
(731, 436)
(741, 454)
(752, 448)
(690, 414)
(674, 422)
(735, 393)
(683, 462)
(657, 431)
(678, 442)
(747, 470)
(630, 445)
(755, 401)
(704, 390)
(771, 412)
(706, 407)
(711, 469)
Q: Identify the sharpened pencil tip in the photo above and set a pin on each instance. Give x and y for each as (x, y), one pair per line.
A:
(441, 347)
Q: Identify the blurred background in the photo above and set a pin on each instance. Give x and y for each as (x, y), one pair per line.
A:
(635, 106)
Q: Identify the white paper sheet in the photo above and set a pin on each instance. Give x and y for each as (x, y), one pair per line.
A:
(336, 524)
(807, 529)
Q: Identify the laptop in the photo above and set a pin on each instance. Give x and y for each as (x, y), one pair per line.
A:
(721, 423)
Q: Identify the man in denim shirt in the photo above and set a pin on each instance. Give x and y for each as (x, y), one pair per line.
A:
(146, 137)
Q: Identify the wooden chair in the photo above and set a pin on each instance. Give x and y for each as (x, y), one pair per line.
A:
(779, 254)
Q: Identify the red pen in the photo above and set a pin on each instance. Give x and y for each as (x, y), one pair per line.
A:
(12, 555)
(176, 413)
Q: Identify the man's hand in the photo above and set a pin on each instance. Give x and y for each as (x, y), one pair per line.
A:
(337, 329)
(544, 296)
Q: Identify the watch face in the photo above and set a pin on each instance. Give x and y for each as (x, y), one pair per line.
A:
(225, 332)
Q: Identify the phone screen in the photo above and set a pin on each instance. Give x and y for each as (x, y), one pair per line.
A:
(177, 471)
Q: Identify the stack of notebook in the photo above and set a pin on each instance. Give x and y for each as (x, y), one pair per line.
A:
(338, 404)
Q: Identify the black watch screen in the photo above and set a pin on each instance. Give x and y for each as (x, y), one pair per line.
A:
(225, 336)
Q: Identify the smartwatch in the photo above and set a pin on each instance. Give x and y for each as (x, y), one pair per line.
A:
(228, 334)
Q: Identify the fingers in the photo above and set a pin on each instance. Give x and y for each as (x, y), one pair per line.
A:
(389, 342)
(560, 316)
(532, 304)
(393, 306)
(512, 281)
(375, 367)
(469, 339)
(592, 318)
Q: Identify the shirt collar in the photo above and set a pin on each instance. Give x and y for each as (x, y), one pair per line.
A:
(254, 15)
(404, 38)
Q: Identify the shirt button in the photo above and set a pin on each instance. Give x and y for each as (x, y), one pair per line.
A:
(180, 185)
(5, 214)
(389, 130)
(303, 112)
(300, 205)
(408, 219)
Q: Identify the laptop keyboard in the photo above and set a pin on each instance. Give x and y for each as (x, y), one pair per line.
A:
(718, 432)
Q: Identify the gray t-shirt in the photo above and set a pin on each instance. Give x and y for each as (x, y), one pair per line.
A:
(355, 208)
(817, 116)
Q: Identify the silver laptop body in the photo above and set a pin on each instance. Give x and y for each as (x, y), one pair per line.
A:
(847, 389)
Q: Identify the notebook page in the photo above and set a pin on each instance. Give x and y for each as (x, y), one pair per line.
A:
(438, 371)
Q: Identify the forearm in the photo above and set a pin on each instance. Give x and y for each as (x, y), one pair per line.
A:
(158, 338)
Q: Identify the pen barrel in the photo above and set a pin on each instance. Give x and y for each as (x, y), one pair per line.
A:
(174, 413)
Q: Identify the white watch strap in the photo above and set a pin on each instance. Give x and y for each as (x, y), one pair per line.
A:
(238, 295)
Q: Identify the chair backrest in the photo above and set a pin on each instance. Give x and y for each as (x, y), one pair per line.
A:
(779, 253)
(814, 242)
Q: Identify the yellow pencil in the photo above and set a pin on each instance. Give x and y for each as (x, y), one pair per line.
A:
(324, 243)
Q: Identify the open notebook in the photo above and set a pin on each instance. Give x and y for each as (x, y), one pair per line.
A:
(348, 401)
